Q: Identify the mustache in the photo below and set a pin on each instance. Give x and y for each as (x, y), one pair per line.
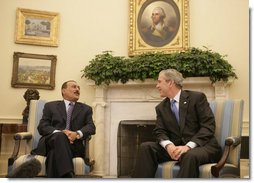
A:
(77, 92)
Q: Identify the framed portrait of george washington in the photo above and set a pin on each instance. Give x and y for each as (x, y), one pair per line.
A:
(158, 25)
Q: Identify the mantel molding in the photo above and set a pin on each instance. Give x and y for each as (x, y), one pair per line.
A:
(150, 82)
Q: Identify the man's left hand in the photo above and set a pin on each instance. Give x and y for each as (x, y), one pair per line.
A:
(179, 150)
(71, 135)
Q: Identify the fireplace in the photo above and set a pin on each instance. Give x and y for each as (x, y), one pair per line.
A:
(132, 102)
(131, 133)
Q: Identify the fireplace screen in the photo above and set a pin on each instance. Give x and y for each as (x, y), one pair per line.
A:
(131, 133)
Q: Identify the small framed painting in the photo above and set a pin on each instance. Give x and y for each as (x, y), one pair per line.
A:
(37, 27)
(33, 71)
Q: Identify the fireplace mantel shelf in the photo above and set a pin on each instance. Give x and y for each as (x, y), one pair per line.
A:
(149, 82)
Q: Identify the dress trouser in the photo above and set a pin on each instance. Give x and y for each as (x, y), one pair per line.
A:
(59, 155)
(151, 154)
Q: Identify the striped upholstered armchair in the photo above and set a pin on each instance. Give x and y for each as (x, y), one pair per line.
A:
(229, 118)
(82, 166)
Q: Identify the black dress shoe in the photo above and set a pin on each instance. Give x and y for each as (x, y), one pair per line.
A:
(68, 175)
(29, 169)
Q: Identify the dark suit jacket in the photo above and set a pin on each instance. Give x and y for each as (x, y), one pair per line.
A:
(197, 123)
(54, 118)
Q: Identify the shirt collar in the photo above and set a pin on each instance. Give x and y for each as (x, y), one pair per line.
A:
(67, 102)
(177, 96)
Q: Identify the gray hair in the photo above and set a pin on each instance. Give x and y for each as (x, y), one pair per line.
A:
(173, 75)
(161, 11)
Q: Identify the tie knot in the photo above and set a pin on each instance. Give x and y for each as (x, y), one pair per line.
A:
(70, 106)
(173, 104)
(173, 101)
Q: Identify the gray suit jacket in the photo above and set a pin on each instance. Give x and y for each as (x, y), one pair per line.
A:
(54, 118)
(197, 122)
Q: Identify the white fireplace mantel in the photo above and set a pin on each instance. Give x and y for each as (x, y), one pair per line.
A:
(134, 100)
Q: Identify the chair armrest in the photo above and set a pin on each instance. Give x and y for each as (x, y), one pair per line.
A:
(23, 136)
(229, 142)
(87, 155)
(234, 141)
(18, 137)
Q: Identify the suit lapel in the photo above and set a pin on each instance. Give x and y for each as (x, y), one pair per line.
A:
(183, 106)
(76, 110)
(62, 109)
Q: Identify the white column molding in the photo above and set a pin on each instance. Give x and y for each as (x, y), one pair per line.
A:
(99, 120)
(222, 89)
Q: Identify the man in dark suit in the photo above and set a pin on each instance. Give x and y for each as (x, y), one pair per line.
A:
(184, 130)
(62, 138)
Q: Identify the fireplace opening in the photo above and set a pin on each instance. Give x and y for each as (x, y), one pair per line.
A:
(131, 133)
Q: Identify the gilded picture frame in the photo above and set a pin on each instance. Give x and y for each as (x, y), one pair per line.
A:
(37, 27)
(33, 71)
(158, 26)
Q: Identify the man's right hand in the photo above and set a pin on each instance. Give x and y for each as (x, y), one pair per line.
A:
(171, 149)
(71, 135)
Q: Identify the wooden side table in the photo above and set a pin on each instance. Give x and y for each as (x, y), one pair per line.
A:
(11, 128)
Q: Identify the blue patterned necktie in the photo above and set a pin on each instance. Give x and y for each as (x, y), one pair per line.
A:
(69, 112)
(175, 110)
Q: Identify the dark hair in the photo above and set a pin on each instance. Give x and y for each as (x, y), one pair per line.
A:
(64, 85)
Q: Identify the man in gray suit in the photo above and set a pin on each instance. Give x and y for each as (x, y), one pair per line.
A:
(62, 138)
(184, 130)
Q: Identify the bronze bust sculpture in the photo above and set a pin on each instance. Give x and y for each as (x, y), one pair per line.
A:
(30, 94)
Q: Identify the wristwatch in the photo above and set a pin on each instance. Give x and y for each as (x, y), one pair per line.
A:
(77, 136)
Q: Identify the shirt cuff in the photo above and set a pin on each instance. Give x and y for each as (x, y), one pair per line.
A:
(164, 143)
(191, 144)
(80, 133)
(56, 131)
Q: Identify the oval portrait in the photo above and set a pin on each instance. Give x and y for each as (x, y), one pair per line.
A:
(158, 22)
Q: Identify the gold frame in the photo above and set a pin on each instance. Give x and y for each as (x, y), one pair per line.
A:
(179, 39)
(45, 34)
(33, 71)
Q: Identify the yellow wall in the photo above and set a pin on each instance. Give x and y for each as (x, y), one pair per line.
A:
(90, 27)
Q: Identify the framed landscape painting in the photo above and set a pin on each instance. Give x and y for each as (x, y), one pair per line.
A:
(33, 71)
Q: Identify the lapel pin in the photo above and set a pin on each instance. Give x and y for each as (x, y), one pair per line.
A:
(184, 102)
